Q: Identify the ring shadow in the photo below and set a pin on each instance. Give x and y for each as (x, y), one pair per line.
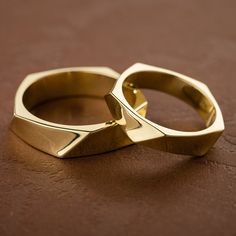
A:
(134, 172)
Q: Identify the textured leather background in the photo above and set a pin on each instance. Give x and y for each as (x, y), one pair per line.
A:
(135, 190)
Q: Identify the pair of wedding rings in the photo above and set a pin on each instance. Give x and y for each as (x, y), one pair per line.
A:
(127, 105)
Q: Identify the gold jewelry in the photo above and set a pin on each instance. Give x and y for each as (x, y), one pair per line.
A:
(141, 130)
(69, 140)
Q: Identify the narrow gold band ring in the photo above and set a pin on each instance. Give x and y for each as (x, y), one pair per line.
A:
(69, 140)
(141, 130)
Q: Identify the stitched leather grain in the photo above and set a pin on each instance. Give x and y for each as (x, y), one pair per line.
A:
(135, 190)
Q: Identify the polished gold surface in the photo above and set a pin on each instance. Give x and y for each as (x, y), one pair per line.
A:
(70, 140)
(141, 130)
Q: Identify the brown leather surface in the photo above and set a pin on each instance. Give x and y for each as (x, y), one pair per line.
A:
(135, 190)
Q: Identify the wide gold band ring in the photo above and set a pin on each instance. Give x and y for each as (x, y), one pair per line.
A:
(141, 130)
(70, 140)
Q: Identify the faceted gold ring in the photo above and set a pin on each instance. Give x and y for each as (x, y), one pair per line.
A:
(70, 140)
(141, 130)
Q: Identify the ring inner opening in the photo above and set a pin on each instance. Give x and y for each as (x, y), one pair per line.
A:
(71, 98)
(174, 86)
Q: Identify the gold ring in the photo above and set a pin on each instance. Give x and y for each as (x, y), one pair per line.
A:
(141, 130)
(69, 140)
